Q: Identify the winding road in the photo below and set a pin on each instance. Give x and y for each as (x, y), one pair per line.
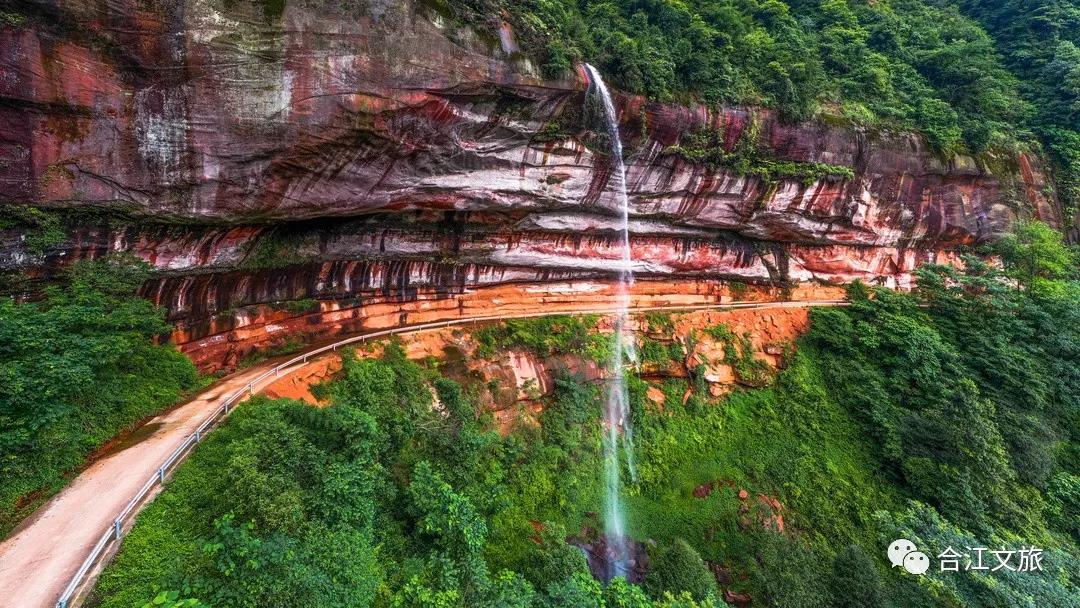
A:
(42, 556)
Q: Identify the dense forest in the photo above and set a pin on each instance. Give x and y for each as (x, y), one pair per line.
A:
(948, 416)
(972, 77)
(1039, 41)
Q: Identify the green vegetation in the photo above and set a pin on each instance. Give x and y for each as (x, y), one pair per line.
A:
(948, 416)
(288, 346)
(1039, 40)
(678, 568)
(16, 19)
(298, 306)
(552, 131)
(42, 229)
(739, 354)
(658, 321)
(854, 571)
(738, 290)
(544, 336)
(747, 158)
(278, 248)
(660, 353)
(78, 367)
(905, 63)
(1036, 258)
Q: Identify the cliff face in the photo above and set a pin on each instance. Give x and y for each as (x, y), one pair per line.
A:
(258, 152)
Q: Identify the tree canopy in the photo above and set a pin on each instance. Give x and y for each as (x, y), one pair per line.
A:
(77, 367)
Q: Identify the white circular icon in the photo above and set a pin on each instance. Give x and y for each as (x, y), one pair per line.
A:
(898, 549)
(916, 562)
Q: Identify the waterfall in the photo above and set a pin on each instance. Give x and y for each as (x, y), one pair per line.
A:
(617, 425)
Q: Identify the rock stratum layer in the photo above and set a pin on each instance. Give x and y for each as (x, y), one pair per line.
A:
(257, 153)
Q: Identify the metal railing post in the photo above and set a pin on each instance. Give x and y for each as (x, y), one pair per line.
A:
(161, 475)
(116, 528)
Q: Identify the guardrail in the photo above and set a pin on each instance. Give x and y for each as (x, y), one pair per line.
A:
(115, 532)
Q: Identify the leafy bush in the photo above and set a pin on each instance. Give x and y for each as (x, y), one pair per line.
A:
(786, 573)
(171, 599)
(855, 580)
(278, 248)
(552, 559)
(1037, 257)
(739, 354)
(1064, 502)
(748, 157)
(659, 322)
(659, 353)
(41, 229)
(545, 336)
(301, 305)
(676, 568)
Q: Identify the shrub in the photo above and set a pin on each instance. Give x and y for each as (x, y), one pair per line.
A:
(553, 559)
(676, 568)
(785, 573)
(544, 336)
(658, 353)
(706, 146)
(1064, 495)
(855, 580)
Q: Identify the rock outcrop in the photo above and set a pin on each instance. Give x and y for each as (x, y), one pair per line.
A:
(262, 152)
(513, 384)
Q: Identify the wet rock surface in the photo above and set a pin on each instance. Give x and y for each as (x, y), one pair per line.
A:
(599, 554)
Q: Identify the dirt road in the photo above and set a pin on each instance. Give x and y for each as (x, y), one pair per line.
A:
(39, 559)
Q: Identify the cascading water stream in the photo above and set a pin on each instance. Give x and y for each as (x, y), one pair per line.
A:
(617, 427)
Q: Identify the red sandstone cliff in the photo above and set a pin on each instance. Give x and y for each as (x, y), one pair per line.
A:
(337, 152)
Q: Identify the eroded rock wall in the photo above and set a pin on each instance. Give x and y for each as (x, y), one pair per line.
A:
(257, 153)
(223, 340)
